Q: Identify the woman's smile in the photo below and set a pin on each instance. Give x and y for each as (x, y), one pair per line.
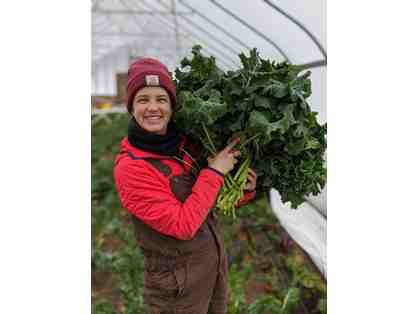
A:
(152, 109)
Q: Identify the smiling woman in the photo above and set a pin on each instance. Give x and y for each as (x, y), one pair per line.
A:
(152, 109)
(170, 200)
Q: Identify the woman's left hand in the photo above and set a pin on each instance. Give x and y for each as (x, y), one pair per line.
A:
(251, 180)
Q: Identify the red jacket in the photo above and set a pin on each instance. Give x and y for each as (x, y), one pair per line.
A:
(146, 192)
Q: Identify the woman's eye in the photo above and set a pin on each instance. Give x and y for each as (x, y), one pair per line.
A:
(162, 100)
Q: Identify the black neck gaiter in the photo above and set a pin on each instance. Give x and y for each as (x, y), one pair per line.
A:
(161, 144)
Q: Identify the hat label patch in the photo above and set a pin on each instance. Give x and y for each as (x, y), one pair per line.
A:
(152, 80)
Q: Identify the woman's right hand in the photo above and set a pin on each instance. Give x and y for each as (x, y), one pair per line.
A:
(225, 160)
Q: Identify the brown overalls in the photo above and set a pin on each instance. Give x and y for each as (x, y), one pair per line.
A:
(183, 277)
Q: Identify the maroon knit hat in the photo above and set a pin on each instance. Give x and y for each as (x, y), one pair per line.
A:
(148, 72)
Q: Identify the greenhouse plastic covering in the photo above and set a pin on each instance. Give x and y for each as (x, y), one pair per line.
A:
(306, 226)
(167, 29)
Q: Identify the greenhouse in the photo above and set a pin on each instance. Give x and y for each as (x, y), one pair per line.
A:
(276, 251)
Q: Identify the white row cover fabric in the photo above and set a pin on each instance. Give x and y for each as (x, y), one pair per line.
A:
(319, 201)
(306, 226)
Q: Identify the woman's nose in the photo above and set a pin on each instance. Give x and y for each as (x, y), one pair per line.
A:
(152, 105)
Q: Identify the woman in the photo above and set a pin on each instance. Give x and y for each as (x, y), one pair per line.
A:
(185, 260)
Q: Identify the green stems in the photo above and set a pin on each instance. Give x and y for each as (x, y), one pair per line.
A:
(212, 146)
(233, 188)
(250, 139)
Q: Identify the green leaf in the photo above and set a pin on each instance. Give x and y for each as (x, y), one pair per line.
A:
(275, 89)
(262, 102)
(257, 85)
(266, 304)
(236, 89)
(197, 111)
(300, 88)
(237, 125)
(287, 120)
(312, 144)
(301, 130)
(291, 301)
(296, 146)
(259, 123)
(250, 62)
(207, 90)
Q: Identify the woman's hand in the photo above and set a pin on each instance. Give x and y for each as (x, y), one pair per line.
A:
(251, 180)
(225, 160)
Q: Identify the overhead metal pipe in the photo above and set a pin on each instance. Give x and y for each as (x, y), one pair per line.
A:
(199, 38)
(176, 27)
(294, 20)
(137, 12)
(314, 64)
(236, 39)
(220, 54)
(130, 34)
(251, 28)
(216, 39)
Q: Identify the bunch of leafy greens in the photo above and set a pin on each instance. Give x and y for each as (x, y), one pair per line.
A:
(264, 103)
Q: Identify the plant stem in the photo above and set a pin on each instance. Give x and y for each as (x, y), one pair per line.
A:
(250, 139)
(212, 146)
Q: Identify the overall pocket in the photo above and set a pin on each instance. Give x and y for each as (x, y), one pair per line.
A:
(180, 274)
(165, 282)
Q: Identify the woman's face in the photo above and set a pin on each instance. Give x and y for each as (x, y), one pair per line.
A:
(152, 109)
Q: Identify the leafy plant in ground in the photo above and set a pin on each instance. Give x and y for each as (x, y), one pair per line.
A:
(272, 305)
(114, 249)
(129, 265)
(264, 103)
(237, 281)
(267, 304)
(103, 307)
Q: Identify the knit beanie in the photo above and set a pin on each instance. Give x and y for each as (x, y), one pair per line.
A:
(148, 72)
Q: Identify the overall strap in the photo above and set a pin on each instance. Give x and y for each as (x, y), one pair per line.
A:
(156, 163)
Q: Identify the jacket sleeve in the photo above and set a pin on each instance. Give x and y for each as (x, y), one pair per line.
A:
(149, 198)
(246, 198)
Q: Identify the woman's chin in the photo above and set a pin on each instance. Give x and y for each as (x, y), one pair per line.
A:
(157, 129)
